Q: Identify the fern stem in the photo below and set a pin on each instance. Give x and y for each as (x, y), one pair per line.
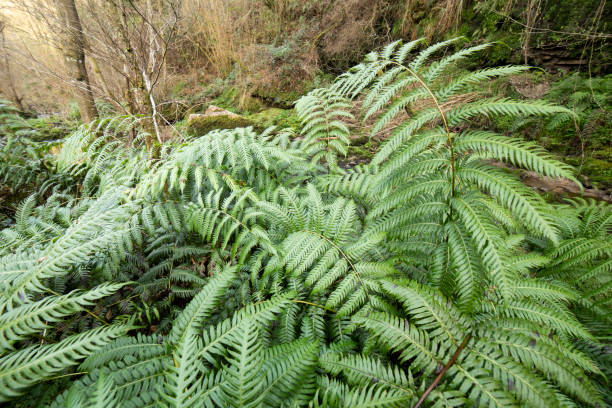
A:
(314, 304)
(85, 310)
(365, 289)
(444, 370)
(446, 129)
(67, 375)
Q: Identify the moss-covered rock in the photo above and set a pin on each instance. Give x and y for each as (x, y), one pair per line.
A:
(281, 118)
(215, 118)
(234, 98)
(267, 116)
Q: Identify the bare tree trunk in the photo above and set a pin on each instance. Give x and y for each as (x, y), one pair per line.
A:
(128, 94)
(154, 49)
(153, 106)
(75, 60)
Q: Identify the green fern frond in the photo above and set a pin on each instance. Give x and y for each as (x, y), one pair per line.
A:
(25, 320)
(520, 153)
(243, 382)
(361, 370)
(28, 366)
(201, 306)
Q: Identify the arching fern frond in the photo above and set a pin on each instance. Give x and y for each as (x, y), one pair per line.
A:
(24, 368)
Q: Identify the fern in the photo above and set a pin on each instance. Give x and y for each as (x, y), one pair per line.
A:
(323, 113)
(249, 269)
(26, 320)
(25, 367)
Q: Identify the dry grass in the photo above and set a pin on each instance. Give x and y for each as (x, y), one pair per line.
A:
(349, 29)
(36, 67)
(443, 15)
(450, 15)
(213, 25)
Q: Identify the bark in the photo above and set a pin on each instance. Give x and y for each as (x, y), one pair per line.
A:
(75, 59)
(98, 73)
(130, 67)
(154, 49)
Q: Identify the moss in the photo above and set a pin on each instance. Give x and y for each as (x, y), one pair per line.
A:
(231, 98)
(281, 118)
(485, 21)
(267, 117)
(598, 172)
(285, 96)
(360, 137)
(284, 99)
(181, 126)
(360, 152)
(200, 124)
(364, 152)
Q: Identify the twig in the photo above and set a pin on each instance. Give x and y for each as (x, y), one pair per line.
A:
(444, 370)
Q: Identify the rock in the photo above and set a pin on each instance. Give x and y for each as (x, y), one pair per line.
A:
(215, 118)
(529, 87)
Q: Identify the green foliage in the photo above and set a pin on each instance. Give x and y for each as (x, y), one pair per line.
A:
(28, 162)
(325, 135)
(583, 136)
(245, 269)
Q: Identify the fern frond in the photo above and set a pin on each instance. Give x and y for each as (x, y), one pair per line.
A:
(513, 195)
(243, 382)
(520, 153)
(290, 373)
(25, 320)
(201, 306)
(26, 367)
(485, 238)
(361, 370)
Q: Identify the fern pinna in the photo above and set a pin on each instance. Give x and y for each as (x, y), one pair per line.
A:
(245, 269)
